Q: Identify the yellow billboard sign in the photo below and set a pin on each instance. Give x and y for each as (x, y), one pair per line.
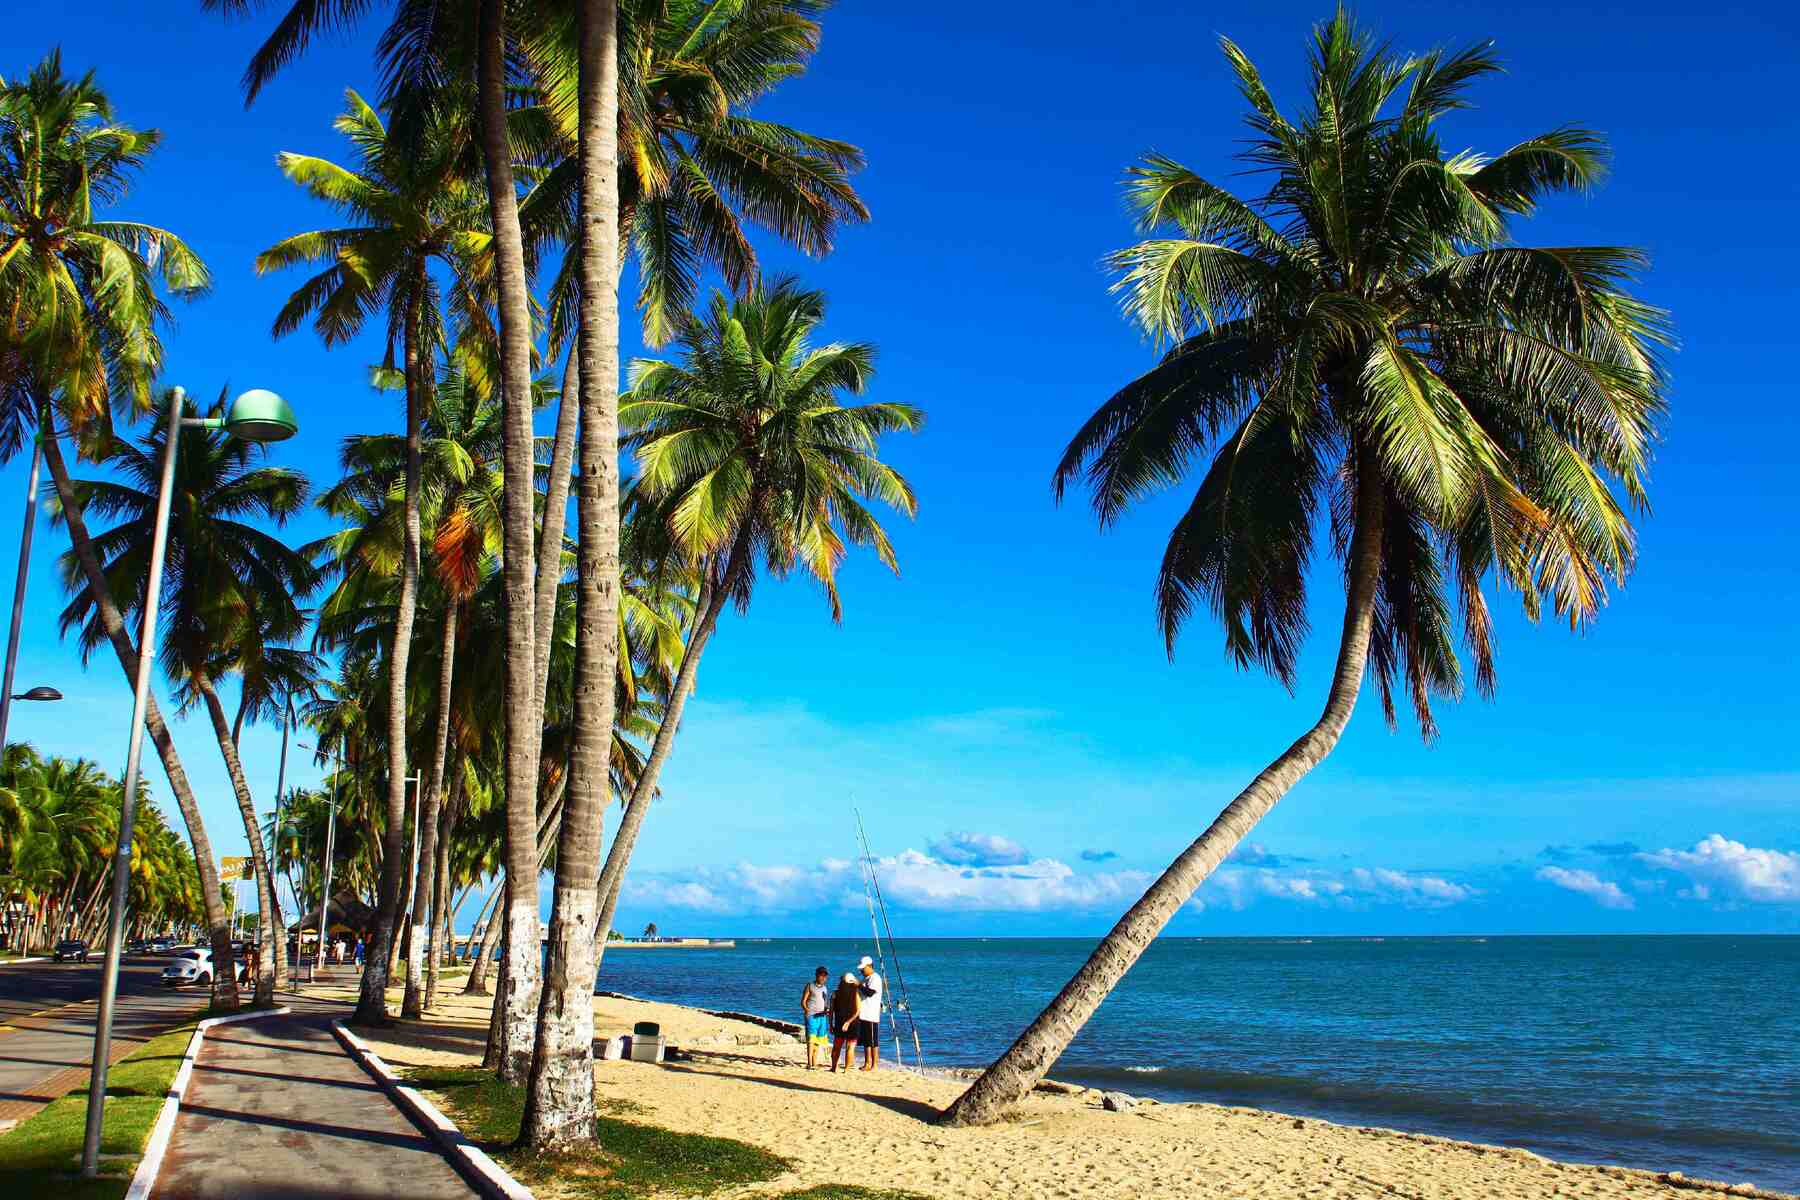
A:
(232, 869)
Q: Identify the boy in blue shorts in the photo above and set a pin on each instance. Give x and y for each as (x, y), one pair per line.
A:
(815, 1002)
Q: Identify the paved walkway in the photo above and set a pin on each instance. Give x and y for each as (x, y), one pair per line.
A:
(44, 1053)
(277, 1110)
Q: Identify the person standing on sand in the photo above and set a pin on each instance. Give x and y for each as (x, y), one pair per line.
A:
(814, 1003)
(844, 1007)
(868, 1023)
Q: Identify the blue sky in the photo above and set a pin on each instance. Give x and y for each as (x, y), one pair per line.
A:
(1003, 714)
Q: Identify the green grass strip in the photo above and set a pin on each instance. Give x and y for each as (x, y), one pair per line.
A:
(633, 1159)
(41, 1156)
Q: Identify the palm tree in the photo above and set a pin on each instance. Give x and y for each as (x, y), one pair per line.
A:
(666, 156)
(465, 438)
(228, 587)
(695, 166)
(1363, 340)
(746, 453)
(559, 1099)
(410, 207)
(78, 294)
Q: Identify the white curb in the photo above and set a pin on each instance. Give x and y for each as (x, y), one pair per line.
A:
(489, 1177)
(19, 962)
(158, 1145)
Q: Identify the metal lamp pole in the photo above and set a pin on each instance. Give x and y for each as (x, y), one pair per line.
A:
(412, 877)
(256, 416)
(287, 720)
(330, 844)
(18, 608)
(414, 780)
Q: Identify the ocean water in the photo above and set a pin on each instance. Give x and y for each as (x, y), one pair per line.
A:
(1668, 1053)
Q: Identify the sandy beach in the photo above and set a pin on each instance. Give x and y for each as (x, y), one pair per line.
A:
(744, 1081)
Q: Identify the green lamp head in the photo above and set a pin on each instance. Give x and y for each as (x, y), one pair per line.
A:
(261, 416)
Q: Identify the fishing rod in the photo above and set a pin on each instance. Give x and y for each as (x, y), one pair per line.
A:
(875, 933)
(904, 1002)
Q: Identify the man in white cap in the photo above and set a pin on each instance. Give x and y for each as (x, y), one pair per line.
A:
(868, 1023)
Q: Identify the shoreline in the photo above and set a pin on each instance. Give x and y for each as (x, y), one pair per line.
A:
(743, 1076)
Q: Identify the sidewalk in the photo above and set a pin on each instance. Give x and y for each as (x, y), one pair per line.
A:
(277, 1110)
(45, 1055)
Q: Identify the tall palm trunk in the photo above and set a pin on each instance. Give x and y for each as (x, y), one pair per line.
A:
(550, 537)
(424, 890)
(91, 910)
(490, 941)
(270, 914)
(548, 830)
(612, 879)
(442, 911)
(519, 994)
(1017, 1071)
(371, 1002)
(212, 901)
(559, 1101)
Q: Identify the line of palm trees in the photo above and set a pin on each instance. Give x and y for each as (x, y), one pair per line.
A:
(1358, 355)
(453, 627)
(58, 823)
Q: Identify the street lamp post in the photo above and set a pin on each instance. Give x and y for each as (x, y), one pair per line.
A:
(18, 607)
(330, 845)
(255, 416)
(287, 721)
(416, 785)
(412, 877)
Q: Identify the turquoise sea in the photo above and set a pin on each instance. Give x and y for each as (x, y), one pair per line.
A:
(1669, 1053)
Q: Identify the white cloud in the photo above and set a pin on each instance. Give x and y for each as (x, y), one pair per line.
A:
(1237, 887)
(1604, 892)
(908, 880)
(1428, 890)
(968, 849)
(1719, 866)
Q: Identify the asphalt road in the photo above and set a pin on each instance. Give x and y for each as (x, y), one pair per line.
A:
(47, 1018)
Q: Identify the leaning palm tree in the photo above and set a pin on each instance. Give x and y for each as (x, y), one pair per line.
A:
(409, 208)
(229, 588)
(744, 454)
(1364, 350)
(80, 309)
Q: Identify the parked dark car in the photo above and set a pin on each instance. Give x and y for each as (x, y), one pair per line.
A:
(137, 946)
(72, 949)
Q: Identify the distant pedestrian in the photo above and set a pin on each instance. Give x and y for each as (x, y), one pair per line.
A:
(815, 1004)
(359, 954)
(844, 1006)
(868, 1016)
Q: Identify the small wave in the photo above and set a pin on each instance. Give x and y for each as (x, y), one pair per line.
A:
(1363, 1101)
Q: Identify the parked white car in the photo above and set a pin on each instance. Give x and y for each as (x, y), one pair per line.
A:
(193, 966)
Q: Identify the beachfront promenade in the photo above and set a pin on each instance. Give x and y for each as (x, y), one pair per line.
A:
(277, 1109)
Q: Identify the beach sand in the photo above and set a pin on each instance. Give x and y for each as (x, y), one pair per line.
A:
(751, 1083)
